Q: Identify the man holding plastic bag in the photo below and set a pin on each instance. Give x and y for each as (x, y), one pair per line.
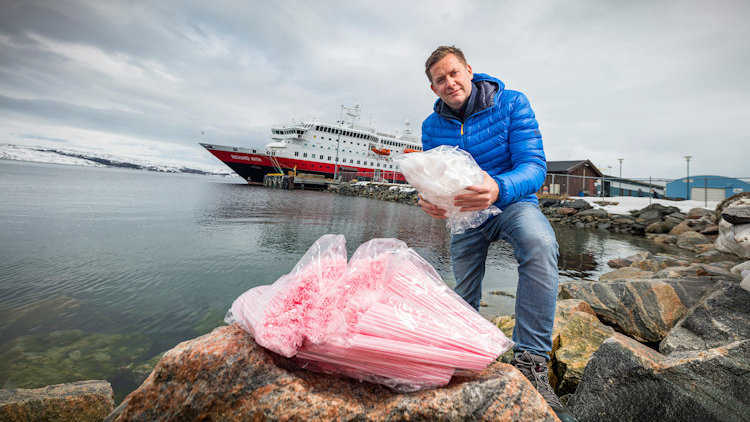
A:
(497, 127)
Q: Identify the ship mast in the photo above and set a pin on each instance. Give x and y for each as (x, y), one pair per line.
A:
(353, 113)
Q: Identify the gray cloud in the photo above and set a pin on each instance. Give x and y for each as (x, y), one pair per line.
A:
(645, 81)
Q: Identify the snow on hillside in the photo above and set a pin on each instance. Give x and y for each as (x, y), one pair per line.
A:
(81, 157)
(628, 203)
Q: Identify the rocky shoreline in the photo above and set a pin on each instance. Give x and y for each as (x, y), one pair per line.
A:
(659, 337)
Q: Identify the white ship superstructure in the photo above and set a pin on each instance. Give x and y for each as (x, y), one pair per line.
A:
(342, 151)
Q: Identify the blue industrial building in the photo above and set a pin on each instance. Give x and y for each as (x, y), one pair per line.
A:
(710, 188)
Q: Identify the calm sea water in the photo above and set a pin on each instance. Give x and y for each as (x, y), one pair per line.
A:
(103, 269)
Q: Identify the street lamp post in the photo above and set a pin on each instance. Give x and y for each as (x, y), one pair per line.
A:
(687, 180)
(620, 189)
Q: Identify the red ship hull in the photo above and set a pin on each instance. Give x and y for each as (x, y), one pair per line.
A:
(252, 167)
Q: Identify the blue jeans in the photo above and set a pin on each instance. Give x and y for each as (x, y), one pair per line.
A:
(524, 226)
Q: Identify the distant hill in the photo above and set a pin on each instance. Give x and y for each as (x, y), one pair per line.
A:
(89, 158)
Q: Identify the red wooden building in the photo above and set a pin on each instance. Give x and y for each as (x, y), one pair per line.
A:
(571, 178)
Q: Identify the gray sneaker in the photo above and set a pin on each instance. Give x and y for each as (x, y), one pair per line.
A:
(534, 367)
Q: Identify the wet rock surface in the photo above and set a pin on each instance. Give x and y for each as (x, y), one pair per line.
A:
(226, 375)
(722, 318)
(645, 309)
(626, 380)
(78, 401)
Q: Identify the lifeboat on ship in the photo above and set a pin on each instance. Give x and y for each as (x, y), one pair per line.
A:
(381, 151)
(408, 150)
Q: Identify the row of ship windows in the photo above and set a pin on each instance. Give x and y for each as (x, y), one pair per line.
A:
(343, 132)
(287, 132)
(296, 153)
(343, 142)
(351, 161)
(383, 141)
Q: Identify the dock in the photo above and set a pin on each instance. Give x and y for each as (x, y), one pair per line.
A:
(300, 181)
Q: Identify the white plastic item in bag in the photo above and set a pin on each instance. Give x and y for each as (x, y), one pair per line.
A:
(387, 317)
(442, 173)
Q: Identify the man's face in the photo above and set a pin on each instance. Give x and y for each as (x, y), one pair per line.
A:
(451, 81)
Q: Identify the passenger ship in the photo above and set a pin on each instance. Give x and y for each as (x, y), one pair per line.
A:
(343, 151)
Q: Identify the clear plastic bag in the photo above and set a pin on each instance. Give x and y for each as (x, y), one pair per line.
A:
(442, 173)
(388, 318)
(279, 316)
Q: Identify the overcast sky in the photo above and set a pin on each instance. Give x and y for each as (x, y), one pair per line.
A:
(646, 81)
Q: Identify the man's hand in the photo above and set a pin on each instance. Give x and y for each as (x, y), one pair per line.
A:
(431, 209)
(480, 197)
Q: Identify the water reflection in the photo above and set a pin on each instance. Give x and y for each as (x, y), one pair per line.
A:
(96, 259)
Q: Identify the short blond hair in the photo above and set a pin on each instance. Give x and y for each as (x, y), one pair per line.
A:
(439, 54)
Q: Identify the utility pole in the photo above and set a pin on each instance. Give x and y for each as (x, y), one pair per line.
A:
(620, 192)
(687, 180)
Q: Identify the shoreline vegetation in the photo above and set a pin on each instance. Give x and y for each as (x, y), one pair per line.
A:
(653, 327)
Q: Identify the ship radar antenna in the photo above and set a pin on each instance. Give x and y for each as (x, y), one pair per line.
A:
(407, 130)
(352, 112)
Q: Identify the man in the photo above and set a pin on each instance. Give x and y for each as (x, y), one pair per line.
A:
(498, 128)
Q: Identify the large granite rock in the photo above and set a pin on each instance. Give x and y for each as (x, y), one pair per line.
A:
(78, 401)
(681, 228)
(566, 211)
(690, 239)
(733, 239)
(226, 376)
(659, 262)
(580, 336)
(694, 270)
(658, 227)
(696, 213)
(627, 381)
(576, 335)
(594, 212)
(723, 318)
(737, 215)
(625, 273)
(741, 269)
(578, 204)
(643, 309)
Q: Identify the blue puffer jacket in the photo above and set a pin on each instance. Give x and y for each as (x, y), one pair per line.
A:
(503, 138)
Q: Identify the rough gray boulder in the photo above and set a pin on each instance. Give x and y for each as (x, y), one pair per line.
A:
(658, 227)
(226, 376)
(689, 239)
(77, 401)
(649, 216)
(723, 318)
(627, 381)
(737, 215)
(594, 212)
(644, 309)
(578, 204)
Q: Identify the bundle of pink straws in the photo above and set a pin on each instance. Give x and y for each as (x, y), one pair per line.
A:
(385, 317)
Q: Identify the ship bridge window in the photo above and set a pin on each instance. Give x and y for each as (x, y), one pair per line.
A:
(304, 154)
(296, 153)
